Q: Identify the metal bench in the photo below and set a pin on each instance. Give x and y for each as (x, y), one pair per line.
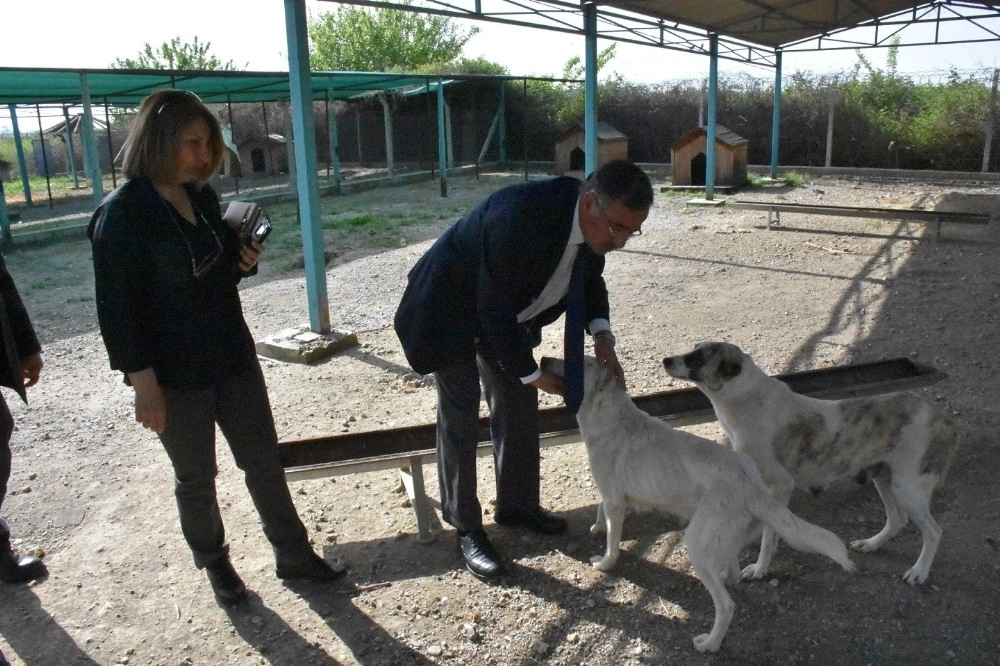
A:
(409, 448)
(775, 208)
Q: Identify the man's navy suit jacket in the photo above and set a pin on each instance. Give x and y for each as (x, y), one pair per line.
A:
(463, 296)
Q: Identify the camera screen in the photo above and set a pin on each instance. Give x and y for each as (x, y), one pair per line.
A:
(262, 230)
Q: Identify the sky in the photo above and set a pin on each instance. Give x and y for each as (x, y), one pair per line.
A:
(251, 33)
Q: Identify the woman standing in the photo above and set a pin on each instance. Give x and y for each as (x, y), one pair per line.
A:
(166, 269)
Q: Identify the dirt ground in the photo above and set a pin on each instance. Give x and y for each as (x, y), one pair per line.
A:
(92, 491)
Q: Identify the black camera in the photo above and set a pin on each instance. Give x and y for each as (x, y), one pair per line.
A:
(262, 230)
(248, 221)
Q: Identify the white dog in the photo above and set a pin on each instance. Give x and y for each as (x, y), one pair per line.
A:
(902, 441)
(640, 461)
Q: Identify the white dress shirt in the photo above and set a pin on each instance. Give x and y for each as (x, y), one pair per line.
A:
(557, 286)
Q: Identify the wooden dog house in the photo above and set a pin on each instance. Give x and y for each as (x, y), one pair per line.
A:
(571, 151)
(257, 156)
(688, 157)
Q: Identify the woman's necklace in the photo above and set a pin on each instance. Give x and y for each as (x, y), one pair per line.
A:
(181, 203)
(203, 264)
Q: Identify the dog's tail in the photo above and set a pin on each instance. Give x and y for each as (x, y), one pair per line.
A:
(800, 534)
(942, 445)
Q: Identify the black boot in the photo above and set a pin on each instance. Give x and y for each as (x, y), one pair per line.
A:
(226, 583)
(14, 567)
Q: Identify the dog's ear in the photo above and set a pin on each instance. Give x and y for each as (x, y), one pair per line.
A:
(731, 364)
(729, 369)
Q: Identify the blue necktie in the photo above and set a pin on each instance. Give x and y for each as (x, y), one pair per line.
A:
(573, 338)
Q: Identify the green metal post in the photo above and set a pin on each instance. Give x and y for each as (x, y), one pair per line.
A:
(776, 115)
(442, 149)
(21, 162)
(502, 124)
(5, 238)
(70, 149)
(91, 161)
(590, 86)
(305, 163)
(334, 143)
(713, 84)
(390, 151)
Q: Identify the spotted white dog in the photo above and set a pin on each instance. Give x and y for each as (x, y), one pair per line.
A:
(641, 462)
(902, 441)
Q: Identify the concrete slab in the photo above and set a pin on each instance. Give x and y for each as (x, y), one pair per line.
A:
(705, 202)
(721, 189)
(302, 345)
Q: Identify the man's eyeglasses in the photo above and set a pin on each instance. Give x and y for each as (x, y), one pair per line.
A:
(616, 230)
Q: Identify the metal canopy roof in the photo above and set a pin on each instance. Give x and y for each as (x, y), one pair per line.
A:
(749, 31)
(787, 23)
(129, 87)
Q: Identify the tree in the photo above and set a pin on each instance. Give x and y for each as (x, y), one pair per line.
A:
(381, 40)
(463, 65)
(573, 106)
(176, 55)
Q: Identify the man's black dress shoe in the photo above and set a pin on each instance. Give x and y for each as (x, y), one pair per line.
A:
(480, 558)
(315, 569)
(226, 583)
(17, 568)
(536, 519)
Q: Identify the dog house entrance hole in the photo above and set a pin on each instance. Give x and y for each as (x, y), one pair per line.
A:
(257, 161)
(577, 160)
(698, 169)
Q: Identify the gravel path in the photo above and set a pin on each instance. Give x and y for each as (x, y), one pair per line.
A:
(92, 491)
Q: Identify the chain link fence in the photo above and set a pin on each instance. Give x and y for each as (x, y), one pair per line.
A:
(942, 120)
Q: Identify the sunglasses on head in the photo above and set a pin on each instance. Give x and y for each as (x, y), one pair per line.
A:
(174, 96)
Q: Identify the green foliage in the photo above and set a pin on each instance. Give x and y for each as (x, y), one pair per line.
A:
(918, 125)
(478, 65)
(349, 221)
(796, 179)
(60, 186)
(575, 69)
(385, 223)
(361, 39)
(552, 107)
(176, 54)
(572, 108)
(8, 150)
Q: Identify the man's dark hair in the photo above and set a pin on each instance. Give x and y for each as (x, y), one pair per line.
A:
(621, 181)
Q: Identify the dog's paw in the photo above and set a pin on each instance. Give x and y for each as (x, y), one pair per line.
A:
(597, 528)
(602, 563)
(704, 643)
(865, 545)
(915, 576)
(753, 572)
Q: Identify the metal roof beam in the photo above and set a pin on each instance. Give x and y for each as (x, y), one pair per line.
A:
(878, 32)
(556, 16)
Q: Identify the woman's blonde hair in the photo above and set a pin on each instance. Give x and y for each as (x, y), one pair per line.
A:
(154, 138)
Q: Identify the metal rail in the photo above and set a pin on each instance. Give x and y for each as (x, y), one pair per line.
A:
(775, 209)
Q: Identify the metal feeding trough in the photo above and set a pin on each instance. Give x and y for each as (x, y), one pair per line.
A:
(408, 449)
(679, 407)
